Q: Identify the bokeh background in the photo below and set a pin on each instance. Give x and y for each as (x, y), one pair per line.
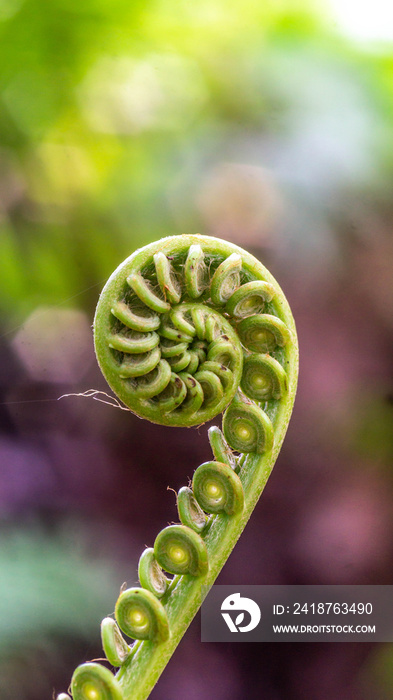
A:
(265, 123)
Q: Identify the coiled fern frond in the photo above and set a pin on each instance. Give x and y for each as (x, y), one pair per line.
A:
(186, 328)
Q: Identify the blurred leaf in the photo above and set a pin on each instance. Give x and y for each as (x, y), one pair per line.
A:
(50, 586)
(52, 596)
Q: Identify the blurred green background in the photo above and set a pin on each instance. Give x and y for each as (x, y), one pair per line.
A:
(268, 124)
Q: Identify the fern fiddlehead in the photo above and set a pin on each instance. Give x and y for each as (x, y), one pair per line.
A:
(187, 328)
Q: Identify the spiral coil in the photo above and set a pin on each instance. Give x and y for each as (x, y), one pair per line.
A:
(185, 329)
(173, 328)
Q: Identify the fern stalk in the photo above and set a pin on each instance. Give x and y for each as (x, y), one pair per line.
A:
(186, 328)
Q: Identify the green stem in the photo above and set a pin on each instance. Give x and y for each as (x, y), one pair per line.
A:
(138, 675)
(183, 372)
